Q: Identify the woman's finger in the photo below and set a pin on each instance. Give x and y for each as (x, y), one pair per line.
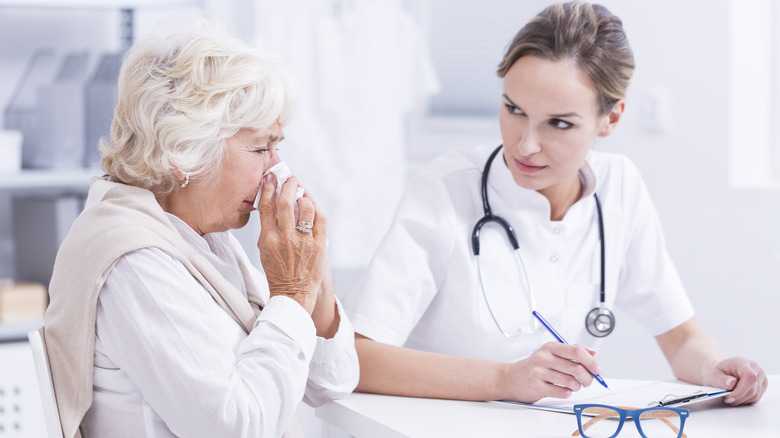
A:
(267, 207)
(285, 212)
(320, 228)
(565, 379)
(579, 362)
(306, 213)
(750, 387)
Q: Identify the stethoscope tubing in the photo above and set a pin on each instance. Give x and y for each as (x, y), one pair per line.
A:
(488, 217)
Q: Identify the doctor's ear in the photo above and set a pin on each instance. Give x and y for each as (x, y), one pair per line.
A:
(613, 117)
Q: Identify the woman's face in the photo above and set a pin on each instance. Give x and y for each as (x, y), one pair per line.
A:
(549, 118)
(226, 201)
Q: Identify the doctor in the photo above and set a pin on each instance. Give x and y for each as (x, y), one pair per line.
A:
(445, 308)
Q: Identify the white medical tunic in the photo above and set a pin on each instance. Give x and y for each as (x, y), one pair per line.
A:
(169, 361)
(422, 288)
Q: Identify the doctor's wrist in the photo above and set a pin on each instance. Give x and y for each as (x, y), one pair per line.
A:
(504, 379)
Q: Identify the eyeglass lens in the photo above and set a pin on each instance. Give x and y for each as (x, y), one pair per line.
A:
(660, 423)
(600, 422)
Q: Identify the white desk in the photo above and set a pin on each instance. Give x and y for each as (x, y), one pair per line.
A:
(381, 416)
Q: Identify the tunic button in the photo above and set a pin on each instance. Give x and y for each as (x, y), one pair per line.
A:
(554, 258)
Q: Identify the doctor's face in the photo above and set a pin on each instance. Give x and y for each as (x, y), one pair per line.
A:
(549, 118)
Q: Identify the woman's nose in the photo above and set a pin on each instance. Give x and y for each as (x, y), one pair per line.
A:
(528, 142)
(275, 159)
(272, 160)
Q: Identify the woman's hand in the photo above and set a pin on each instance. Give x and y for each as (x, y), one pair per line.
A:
(295, 263)
(554, 370)
(696, 357)
(744, 378)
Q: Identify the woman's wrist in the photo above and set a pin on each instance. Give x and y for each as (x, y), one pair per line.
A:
(326, 319)
(708, 370)
(307, 300)
(325, 314)
(501, 382)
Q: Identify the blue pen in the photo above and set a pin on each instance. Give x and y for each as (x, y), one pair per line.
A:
(563, 341)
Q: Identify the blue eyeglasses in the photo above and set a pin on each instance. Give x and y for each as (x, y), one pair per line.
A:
(607, 421)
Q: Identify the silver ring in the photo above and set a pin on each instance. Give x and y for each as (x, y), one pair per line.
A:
(303, 230)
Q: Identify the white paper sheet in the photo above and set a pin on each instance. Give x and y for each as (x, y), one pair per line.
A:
(628, 393)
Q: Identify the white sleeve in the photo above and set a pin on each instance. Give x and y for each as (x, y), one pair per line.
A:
(650, 287)
(194, 366)
(334, 371)
(409, 266)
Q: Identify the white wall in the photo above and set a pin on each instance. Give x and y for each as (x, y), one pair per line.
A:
(725, 241)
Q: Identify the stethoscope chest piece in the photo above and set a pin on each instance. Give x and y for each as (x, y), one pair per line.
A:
(600, 322)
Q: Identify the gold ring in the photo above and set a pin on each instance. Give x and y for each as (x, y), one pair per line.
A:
(305, 224)
(304, 230)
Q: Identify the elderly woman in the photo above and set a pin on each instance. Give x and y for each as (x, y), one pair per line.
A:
(158, 323)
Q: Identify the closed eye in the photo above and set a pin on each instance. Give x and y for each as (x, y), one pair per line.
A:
(272, 147)
(268, 143)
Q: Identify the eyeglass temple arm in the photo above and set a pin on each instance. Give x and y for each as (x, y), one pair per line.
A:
(606, 413)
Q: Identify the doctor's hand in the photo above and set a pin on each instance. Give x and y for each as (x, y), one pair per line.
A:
(295, 263)
(746, 380)
(554, 370)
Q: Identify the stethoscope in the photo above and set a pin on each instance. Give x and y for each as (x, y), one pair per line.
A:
(599, 321)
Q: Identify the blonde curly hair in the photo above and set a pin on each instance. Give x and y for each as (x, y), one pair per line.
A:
(180, 97)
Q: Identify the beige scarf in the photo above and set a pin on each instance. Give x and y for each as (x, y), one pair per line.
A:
(118, 219)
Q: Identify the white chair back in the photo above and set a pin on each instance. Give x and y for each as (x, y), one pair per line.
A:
(45, 385)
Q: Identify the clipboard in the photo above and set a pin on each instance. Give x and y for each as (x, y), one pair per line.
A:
(628, 392)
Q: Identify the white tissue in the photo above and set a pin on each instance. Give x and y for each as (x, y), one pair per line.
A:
(281, 171)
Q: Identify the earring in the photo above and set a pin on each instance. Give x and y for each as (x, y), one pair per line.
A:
(185, 181)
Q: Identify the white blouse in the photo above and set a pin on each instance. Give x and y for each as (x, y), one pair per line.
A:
(169, 361)
(422, 290)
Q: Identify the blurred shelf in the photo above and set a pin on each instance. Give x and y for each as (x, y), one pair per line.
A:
(17, 331)
(48, 179)
(98, 4)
